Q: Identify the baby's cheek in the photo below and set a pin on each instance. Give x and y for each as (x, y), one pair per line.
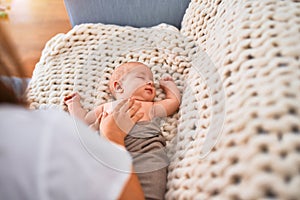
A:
(138, 83)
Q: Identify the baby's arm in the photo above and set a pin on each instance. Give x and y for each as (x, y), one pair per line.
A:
(170, 104)
(74, 106)
(92, 116)
(75, 109)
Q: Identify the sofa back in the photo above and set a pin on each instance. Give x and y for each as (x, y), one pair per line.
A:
(136, 13)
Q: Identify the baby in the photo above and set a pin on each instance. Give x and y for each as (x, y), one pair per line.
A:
(144, 141)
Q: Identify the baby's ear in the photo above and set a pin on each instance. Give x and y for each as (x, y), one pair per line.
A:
(117, 87)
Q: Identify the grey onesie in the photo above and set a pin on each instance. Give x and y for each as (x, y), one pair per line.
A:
(147, 147)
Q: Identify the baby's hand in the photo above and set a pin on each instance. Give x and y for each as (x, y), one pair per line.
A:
(75, 97)
(165, 81)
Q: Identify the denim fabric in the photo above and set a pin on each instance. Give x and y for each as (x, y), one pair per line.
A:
(136, 13)
(17, 84)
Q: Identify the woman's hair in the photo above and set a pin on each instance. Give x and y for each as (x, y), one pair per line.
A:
(9, 62)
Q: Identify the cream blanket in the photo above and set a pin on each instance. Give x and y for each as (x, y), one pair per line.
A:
(237, 133)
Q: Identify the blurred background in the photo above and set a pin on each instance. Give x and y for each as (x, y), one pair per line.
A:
(28, 24)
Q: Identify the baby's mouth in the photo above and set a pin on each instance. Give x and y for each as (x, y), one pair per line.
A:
(149, 90)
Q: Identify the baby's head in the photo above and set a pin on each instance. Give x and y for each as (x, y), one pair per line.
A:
(132, 79)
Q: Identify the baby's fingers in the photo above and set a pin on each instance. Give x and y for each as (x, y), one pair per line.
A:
(68, 98)
(71, 96)
(166, 78)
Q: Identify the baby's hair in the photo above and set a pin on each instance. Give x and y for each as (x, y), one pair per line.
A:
(120, 71)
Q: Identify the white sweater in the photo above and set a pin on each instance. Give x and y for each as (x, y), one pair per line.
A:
(49, 155)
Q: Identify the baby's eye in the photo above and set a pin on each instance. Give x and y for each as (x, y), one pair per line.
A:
(140, 77)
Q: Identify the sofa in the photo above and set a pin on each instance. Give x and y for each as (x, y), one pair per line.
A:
(237, 64)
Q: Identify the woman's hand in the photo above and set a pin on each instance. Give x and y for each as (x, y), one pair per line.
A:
(116, 126)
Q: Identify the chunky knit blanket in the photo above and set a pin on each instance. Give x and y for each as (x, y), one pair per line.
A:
(236, 63)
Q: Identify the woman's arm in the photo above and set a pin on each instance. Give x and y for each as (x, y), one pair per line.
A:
(115, 127)
(132, 189)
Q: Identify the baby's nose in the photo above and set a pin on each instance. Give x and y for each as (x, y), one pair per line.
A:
(150, 83)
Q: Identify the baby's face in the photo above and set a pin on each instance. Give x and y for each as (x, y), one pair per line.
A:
(138, 83)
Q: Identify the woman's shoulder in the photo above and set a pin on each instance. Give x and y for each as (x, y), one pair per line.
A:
(34, 117)
(51, 141)
(35, 123)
